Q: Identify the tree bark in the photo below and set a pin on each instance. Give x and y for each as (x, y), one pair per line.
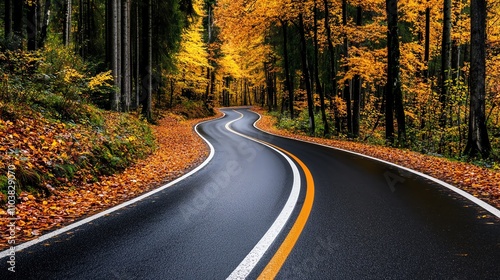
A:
(45, 25)
(17, 16)
(357, 87)
(319, 88)
(347, 87)
(427, 41)
(477, 139)
(147, 58)
(394, 97)
(288, 81)
(8, 19)
(32, 24)
(113, 49)
(333, 68)
(67, 23)
(125, 50)
(305, 70)
(445, 61)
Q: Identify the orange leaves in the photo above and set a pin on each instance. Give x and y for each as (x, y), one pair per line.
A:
(179, 148)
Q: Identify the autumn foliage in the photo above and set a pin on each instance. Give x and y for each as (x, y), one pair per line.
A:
(178, 150)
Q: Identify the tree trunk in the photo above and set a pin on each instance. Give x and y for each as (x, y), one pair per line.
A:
(333, 68)
(147, 58)
(67, 23)
(288, 81)
(477, 139)
(357, 87)
(305, 70)
(45, 25)
(8, 19)
(319, 88)
(347, 88)
(125, 50)
(17, 16)
(137, 56)
(427, 41)
(394, 98)
(113, 49)
(32, 25)
(445, 61)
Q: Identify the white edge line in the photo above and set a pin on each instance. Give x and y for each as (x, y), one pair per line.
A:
(480, 203)
(255, 255)
(69, 227)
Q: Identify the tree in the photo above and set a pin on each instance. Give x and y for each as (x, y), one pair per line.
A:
(8, 19)
(288, 80)
(45, 23)
(147, 58)
(305, 72)
(113, 51)
(67, 22)
(126, 64)
(32, 24)
(347, 82)
(319, 88)
(17, 16)
(357, 86)
(394, 96)
(477, 140)
(445, 60)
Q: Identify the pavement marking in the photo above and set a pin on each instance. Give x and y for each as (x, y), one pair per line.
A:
(279, 258)
(493, 210)
(69, 227)
(250, 261)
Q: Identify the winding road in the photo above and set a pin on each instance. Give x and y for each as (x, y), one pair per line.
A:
(263, 206)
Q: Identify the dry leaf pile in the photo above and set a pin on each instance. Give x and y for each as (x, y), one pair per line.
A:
(179, 150)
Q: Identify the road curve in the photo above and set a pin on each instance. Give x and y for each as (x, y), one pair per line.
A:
(368, 221)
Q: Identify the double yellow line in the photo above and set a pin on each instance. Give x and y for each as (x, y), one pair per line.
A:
(279, 258)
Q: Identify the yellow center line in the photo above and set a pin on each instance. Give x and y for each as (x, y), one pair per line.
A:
(279, 258)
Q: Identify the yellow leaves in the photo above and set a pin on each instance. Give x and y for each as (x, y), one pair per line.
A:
(71, 75)
(101, 79)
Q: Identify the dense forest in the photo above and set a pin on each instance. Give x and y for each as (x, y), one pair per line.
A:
(416, 74)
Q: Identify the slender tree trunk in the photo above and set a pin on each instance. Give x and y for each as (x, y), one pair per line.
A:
(347, 87)
(305, 70)
(115, 94)
(147, 58)
(333, 68)
(288, 81)
(138, 56)
(8, 19)
(45, 24)
(477, 140)
(445, 60)
(17, 16)
(125, 50)
(32, 25)
(394, 98)
(319, 88)
(67, 23)
(427, 40)
(357, 87)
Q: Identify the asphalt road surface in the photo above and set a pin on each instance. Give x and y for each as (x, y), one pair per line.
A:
(265, 206)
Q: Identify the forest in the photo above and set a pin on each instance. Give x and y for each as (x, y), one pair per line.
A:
(421, 75)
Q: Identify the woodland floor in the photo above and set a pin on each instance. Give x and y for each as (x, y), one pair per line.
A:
(179, 150)
(480, 182)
